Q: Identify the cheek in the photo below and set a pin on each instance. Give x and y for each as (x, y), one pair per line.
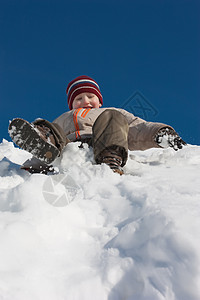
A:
(96, 103)
(75, 105)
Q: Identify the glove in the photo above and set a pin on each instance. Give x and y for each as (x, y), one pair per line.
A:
(167, 137)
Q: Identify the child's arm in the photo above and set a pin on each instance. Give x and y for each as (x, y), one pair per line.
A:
(144, 135)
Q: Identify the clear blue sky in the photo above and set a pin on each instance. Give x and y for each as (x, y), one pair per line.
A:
(142, 53)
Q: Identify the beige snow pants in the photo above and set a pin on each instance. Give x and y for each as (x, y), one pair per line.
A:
(110, 129)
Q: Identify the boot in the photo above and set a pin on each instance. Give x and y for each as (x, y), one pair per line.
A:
(38, 141)
(45, 133)
(113, 158)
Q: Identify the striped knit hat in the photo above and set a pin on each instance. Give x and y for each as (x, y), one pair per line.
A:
(82, 84)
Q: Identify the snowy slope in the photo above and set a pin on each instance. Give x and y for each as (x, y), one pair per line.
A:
(131, 237)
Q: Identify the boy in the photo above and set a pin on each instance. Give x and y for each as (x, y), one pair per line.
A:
(110, 131)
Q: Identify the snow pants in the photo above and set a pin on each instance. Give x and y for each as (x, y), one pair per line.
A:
(109, 130)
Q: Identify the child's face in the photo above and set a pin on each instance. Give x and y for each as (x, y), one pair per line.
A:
(86, 100)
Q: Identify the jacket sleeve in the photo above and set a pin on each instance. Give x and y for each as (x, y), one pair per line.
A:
(142, 134)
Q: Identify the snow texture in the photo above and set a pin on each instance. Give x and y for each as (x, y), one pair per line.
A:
(130, 237)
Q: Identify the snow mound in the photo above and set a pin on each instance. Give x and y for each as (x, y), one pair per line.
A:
(130, 237)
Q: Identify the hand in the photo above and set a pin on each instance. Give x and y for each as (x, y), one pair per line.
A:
(167, 137)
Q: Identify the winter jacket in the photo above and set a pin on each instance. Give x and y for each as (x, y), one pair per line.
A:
(77, 125)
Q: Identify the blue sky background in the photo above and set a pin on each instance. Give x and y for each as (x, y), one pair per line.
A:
(145, 55)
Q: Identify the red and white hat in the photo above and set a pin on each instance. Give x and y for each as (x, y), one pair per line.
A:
(82, 84)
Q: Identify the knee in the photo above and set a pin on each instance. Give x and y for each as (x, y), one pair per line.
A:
(109, 114)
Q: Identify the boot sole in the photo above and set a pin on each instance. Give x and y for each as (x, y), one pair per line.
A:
(27, 138)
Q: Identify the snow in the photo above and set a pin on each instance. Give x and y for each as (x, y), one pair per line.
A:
(130, 237)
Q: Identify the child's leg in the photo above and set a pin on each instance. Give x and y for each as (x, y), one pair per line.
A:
(110, 131)
(51, 132)
(44, 140)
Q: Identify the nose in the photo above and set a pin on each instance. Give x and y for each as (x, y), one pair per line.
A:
(85, 99)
